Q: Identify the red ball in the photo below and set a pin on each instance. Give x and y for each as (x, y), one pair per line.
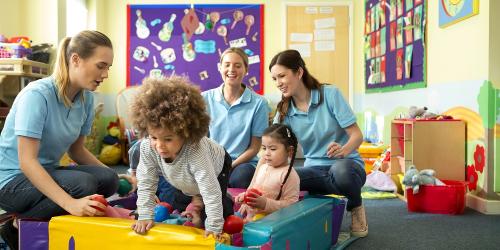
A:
(100, 199)
(252, 192)
(233, 224)
(167, 205)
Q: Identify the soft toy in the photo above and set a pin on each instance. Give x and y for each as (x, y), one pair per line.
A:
(111, 151)
(420, 113)
(413, 178)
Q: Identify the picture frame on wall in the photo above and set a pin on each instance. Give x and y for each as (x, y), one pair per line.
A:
(453, 11)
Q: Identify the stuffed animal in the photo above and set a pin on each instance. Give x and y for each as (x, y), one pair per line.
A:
(111, 150)
(413, 178)
(420, 113)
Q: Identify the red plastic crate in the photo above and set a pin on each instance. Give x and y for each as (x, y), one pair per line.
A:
(449, 199)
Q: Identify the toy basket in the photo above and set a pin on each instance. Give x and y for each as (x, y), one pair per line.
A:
(448, 199)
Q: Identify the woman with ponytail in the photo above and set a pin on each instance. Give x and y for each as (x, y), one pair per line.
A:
(329, 134)
(275, 184)
(50, 117)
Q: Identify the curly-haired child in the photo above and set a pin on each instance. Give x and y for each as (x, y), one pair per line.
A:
(172, 113)
(275, 180)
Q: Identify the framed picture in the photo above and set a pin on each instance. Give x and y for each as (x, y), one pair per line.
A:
(453, 11)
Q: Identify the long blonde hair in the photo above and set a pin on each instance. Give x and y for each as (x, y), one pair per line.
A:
(83, 44)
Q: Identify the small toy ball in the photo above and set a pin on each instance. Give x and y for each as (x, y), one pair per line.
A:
(100, 199)
(252, 192)
(161, 213)
(124, 187)
(233, 224)
(167, 205)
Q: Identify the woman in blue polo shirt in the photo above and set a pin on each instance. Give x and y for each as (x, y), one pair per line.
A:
(49, 117)
(238, 116)
(327, 131)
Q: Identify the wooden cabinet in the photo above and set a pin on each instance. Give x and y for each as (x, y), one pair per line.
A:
(429, 144)
(15, 74)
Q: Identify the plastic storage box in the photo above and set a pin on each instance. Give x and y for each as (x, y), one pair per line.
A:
(449, 199)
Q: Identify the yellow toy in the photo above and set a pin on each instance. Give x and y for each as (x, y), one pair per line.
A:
(111, 151)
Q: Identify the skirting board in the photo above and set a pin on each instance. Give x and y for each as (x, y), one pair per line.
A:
(483, 205)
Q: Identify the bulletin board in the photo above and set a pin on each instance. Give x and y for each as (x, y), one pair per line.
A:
(394, 51)
(321, 35)
(188, 40)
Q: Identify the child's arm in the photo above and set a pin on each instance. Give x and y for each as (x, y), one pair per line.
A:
(147, 181)
(289, 195)
(240, 196)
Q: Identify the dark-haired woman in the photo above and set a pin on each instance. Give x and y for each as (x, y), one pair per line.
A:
(327, 131)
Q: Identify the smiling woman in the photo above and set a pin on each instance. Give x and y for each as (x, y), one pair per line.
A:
(49, 117)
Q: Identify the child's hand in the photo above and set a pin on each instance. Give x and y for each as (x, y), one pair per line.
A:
(142, 226)
(256, 201)
(244, 209)
(239, 198)
(217, 236)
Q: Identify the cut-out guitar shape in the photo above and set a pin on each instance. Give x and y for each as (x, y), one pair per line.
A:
(141, 26)
(166, 32)
(188, 52)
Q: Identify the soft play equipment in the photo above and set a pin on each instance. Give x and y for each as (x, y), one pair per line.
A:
(313, 223)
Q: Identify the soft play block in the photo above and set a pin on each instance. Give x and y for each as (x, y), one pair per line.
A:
(33, 235)
(71, 232)
(312, 223)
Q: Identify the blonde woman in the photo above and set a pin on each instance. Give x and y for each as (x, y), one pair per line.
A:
(49, 117)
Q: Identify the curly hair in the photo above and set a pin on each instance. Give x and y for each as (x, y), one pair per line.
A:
(173, 103)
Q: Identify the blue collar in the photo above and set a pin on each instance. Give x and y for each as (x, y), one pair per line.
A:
(244, 98)
(315, 95)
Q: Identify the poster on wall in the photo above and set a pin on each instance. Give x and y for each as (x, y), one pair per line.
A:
(394, 48)
(188, 40)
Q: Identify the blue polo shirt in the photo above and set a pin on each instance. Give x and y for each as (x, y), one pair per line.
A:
(38, 113)
(234, 126)
(322, 124)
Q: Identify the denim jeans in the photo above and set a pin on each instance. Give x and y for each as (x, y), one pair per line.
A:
(19, 196)
(345, 177)
(241, 175)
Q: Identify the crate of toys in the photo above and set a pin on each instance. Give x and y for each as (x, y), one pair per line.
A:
(447, 199)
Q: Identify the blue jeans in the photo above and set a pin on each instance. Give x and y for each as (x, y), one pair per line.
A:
(241, 175)
(21, 197)
(345, 177)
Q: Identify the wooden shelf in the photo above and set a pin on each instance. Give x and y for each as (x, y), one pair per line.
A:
(23, 67)
(429, 144)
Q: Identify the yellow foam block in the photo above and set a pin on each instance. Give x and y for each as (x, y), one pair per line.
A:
(113, 233)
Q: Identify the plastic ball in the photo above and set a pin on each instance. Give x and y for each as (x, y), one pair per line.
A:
(167, 205)
(161, 213)
(252, 192)
(233, 224)
(100, 199)
(124, 187)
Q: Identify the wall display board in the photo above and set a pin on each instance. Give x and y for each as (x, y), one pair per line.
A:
(188, 39)
(394, 51)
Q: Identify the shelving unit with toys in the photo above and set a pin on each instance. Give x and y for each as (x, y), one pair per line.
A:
(15, 74)
(428, 144)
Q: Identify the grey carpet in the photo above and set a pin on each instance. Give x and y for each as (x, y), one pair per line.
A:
(391, 226)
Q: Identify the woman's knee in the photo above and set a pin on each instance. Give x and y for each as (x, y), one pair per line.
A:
(108, 182)
(84, 185)
(241, 176)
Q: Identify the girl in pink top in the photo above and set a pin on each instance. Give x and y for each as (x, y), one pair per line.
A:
(275, 180)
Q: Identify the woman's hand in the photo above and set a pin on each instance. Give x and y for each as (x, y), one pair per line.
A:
(131, 179)
(335, 150)
(85, 207)
(142, 226)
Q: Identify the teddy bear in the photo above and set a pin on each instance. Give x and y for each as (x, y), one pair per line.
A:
(414, 178)
(415, 112)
